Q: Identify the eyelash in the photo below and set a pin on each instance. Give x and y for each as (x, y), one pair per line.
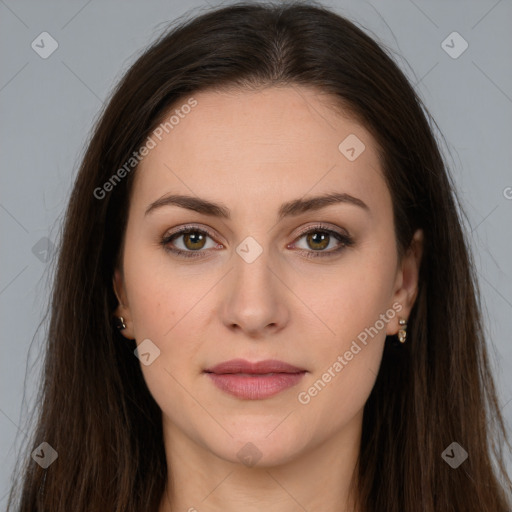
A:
(346, 241)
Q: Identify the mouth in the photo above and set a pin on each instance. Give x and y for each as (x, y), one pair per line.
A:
(254, 381)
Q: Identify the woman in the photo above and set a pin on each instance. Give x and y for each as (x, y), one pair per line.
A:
(264, 297)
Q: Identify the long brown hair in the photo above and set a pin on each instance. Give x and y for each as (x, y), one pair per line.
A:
(95, 409)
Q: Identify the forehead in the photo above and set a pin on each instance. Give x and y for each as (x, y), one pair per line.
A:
(276, 141)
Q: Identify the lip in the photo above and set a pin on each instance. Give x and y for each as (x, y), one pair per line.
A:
(258, 367)
(254, 380)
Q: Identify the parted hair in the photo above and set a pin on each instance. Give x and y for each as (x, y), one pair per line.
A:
(94, 407)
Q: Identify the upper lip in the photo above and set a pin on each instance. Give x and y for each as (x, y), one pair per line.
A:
(258, 367)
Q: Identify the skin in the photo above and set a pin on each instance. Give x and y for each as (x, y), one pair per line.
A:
(252, 151)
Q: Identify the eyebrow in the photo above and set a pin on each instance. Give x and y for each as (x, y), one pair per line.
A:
(289, 209)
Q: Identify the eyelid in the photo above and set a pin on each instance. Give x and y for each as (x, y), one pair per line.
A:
(189, 227)
(302, 231)
(344, 238)
(322, 225)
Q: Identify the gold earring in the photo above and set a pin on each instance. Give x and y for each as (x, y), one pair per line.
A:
(120, 323)
(402, 333)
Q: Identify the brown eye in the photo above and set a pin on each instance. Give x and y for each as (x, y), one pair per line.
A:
(193, 240)
(318, 240)
(188, 242)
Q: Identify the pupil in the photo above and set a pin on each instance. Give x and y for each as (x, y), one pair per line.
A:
(323, 237)
(194, 238)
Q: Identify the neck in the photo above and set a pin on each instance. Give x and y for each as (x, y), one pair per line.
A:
(318, 478)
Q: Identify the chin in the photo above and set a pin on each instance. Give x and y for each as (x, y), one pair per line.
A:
(260, 446)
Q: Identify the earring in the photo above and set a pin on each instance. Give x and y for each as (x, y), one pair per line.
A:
(402, 333)
(119, 322)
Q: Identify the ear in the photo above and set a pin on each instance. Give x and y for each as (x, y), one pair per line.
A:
(406, 284)
(122, 309)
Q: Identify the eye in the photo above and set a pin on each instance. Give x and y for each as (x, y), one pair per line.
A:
(194, 240)
(318, 238)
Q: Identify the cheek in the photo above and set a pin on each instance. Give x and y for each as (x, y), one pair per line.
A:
(348, 299)
(169, 318)
(352, 310)
(346, 360)
(158, 294)
(331, 399)
(153, 308)
(165, 307)
(163, 310)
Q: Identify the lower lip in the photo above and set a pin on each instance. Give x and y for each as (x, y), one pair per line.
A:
(255, 387)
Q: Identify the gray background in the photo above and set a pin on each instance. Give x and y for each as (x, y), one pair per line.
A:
(48, 107)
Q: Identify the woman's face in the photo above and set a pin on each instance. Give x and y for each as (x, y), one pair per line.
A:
(267, 280)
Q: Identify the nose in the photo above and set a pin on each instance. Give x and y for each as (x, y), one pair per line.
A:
(256, 297)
